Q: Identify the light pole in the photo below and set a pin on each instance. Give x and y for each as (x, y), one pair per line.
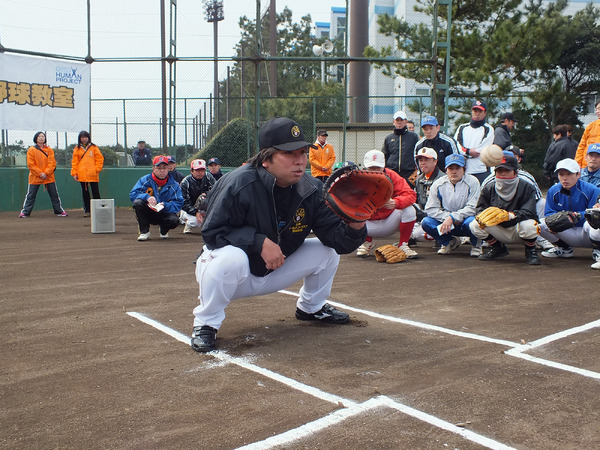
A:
(214, 14)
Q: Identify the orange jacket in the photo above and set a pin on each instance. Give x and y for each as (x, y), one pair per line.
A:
(86, 165)
(591, 135)
(321, 160)
(41, 161)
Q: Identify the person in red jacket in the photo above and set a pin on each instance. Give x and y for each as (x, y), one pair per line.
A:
(398, 214)
(86, 165)
(41, 164)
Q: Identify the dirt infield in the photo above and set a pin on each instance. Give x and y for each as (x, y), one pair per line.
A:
(441, 352)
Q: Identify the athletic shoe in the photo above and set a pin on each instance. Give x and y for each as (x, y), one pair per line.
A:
(412, 241)
(596, 265)
(498, 250)
(365, 248)
(464, 240)
(327, 314)
(558, 252)
(596, 254)
(86, 214)
(531, 255)
(410, 254)
(203, 339)
(543, 244)
(144, 236)
(452, 245)
(187, 229)
(23, 216)
(164, 236)
(62, 214)
(475, 252)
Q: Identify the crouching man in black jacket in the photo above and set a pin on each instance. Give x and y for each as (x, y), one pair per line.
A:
(255, 233)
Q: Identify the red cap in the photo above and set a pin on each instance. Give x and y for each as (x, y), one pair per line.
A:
(160, 159)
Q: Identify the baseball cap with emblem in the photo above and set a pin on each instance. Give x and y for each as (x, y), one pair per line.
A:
(509, 161)
(322, 133)
(171, 159)
(593, 148)
(400, 115)
(568, 164)
(427, 152)
(374, 158)
(456, 159)
(429, 120)
(477, 104)
(198, 164)
(214, 160)
(283, 134)
(160, 159)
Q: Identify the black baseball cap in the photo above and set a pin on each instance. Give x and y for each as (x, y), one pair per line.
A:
(283, 134)
(478, 104)
(509, 116)
(509, 161)
(214, 160)
(322, 133)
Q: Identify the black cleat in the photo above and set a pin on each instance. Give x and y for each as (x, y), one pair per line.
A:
(498, 250)
(203, 339)
(327, 314)
(532, 257)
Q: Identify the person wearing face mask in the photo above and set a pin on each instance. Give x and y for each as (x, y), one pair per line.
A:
(474, 137)
(517, 197)
(398, 148)
(572, 194)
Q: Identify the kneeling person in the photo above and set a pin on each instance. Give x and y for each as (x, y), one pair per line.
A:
(516, 201)
(397, 214)
(451, 207)
(255, 233)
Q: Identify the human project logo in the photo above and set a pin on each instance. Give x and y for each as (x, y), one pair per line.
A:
(68, 74)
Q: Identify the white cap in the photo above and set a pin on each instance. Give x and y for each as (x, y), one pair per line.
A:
(427, 152)
(400, 115)
(568, 164)
(374, 158)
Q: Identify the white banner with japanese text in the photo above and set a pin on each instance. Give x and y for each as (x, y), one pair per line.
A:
(43, 94)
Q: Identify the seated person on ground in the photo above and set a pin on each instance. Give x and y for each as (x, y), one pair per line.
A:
(397, 214)
(571, 194)
(515, 199)
(428, 172)
(451, 207)
(591, 173)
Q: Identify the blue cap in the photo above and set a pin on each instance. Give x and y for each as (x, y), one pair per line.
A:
(593, 148)
(478, 104)
(214, 160)
(455, 158)
(429, 120)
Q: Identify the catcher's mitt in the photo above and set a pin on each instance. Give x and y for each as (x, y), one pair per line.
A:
(355, 194)
(562, 220)
(390, 254)
(491, 216)
(592, 215)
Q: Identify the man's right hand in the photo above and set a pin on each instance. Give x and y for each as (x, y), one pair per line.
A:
(272, 255)
(152, 201)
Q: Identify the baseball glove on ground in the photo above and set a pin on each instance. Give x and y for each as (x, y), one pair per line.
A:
(355, 194)
(562, 220)
(390, 254)
(593, 217)
(491, 216)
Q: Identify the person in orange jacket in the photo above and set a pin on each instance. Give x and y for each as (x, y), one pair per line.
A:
(41, 164)
(591, 135)
(85, 167)
(321, 157)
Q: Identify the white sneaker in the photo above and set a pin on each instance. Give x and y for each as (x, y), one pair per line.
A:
(596, 265)
(464, 240)
(558, 252)
(452, 245)
(144, 236)
(365, 248)
(543, 244)
(164, 236)
(475, 252)
(410, 254)
(187, 229)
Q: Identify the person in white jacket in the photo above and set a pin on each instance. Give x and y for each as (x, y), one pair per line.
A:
(474, 137)
(451, 207)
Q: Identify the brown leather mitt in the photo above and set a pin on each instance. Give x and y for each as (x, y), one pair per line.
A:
(491, 216)
(390, 254)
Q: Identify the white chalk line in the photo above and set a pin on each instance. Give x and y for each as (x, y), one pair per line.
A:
(516, 350)
(348, 409)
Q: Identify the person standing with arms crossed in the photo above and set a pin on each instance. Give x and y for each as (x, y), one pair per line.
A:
(86, 166)
(41, 164)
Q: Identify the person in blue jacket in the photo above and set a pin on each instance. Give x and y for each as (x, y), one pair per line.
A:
(156, 199)
(571, 194)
